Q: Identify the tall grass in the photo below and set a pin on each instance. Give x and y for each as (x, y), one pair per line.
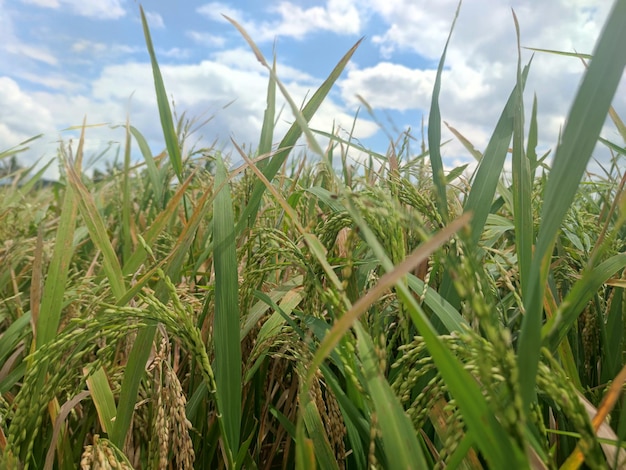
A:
(290, 313)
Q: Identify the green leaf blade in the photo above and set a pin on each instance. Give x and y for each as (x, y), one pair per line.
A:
(584, 123)
(165, 113)
(226, 319)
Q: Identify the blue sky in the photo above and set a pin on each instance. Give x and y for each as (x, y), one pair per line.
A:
(61, 60)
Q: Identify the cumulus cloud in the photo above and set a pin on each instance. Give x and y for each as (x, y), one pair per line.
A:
(215, 10)
(174, 53)
(409, 35)
(210, 85)
(52, 81)
(38, 54)
(16, 53)
(337, 16)
(27, 116)
(154, 20)
(389, 86)
(43, 3)
(101, 9)
(101, 50)
(23, 116)
(423, 26)
(481, 61)
(232, 92)
(206, 39)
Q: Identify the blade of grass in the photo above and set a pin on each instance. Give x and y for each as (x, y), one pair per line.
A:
(157, 227)
(267, 130)
(434, 131)
(165, 113)
(65, 410)
(497, 446)
(272, 327)
(102, 396)
(567, 54)
(490, 167)
(143, 343)
(301, 119)
(295, 131)
(97, 231)
(486, 181)
(48, 317)
(502, 190)
(323, 453)
(612, 452)
(133, 373)
(451, 319)
(289, 288)
(531, 152)
(566, 355)
(583, 290)
(348, 143)
(614, 344)
(522, 178)
(580, 135)
(394, 275)
(13, 335)
(226, 319)
(402, 448)
(141, 348)
(28, 185)
(305, 451)
(357, 426)
(153, 172)
(36, 280)
(12, 378)
(19, 147)
(127, 243)
(56, 279)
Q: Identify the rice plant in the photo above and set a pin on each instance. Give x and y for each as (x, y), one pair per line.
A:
(294, 312)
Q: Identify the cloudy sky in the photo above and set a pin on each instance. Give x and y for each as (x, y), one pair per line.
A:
(61, 60)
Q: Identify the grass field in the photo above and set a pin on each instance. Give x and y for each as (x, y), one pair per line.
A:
(302, 311)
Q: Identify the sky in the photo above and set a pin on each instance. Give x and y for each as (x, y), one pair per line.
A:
(62, 60)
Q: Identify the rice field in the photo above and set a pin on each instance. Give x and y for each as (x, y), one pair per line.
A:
(301, 311)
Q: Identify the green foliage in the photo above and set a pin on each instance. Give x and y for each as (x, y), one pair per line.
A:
(294, 314)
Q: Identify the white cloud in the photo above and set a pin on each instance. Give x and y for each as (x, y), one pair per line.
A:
(337, 16)
(86, 46)
(43, 3)
(242, 59)
(389, 86)
(200, 89)
(32, 52)
(52, 81)
(481, 61)
(208, 86)
(23, 116)
(206, 39)
(27, 116)
(100, 9)
(215, 10)
(480, 69)
(422, 26)
(173, 53)
(14, 51)
(154, 20)
(98, 51)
